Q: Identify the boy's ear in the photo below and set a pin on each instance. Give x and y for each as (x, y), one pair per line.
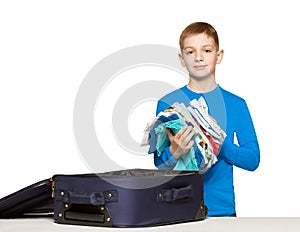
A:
(220, 55)
(181, 59)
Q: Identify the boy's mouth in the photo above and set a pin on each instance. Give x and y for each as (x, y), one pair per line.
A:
(199, 67)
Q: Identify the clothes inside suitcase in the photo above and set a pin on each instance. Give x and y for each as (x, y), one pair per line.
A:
(129, 198)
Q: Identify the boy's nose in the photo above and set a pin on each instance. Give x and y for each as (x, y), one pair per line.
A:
(198, 57)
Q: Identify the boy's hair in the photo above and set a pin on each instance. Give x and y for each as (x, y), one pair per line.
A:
(199, 28)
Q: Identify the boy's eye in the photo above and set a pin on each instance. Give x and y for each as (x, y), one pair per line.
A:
(207, 50)
(189, 52)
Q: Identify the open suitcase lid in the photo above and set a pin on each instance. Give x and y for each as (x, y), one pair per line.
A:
(32, 201)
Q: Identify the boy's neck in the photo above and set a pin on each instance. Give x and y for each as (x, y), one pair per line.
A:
(202, 86)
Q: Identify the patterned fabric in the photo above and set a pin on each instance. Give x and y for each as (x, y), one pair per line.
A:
(208, 135)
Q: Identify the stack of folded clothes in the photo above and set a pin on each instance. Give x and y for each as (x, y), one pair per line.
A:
(208, 134)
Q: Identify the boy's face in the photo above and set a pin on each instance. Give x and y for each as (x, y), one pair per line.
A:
(200, 56)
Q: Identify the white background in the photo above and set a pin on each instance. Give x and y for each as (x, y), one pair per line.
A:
(48, 47)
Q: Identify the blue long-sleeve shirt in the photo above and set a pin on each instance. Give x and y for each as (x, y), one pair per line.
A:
(232, 114)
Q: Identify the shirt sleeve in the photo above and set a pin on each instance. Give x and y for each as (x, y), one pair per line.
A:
(161, 106)
(166, 161)
(246, 153)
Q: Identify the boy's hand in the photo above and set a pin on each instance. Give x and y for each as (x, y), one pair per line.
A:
(182, 142)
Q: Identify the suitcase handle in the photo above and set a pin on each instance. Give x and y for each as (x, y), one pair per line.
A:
(96, 198)
(89, 215)
(174, 194)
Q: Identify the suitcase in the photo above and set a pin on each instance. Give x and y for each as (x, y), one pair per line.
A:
(32, 201)
(129, 198)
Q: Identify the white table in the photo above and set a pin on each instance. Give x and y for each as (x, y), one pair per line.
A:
(220, 224)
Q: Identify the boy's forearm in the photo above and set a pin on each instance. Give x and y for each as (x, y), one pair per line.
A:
(246, 157)
(165, 161)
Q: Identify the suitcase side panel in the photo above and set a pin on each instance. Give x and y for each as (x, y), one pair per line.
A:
(131, 206)
(144, 207)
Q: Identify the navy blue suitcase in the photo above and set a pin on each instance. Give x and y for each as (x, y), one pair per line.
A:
(129, 198)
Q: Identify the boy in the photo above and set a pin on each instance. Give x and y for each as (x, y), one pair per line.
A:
(200, 54)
